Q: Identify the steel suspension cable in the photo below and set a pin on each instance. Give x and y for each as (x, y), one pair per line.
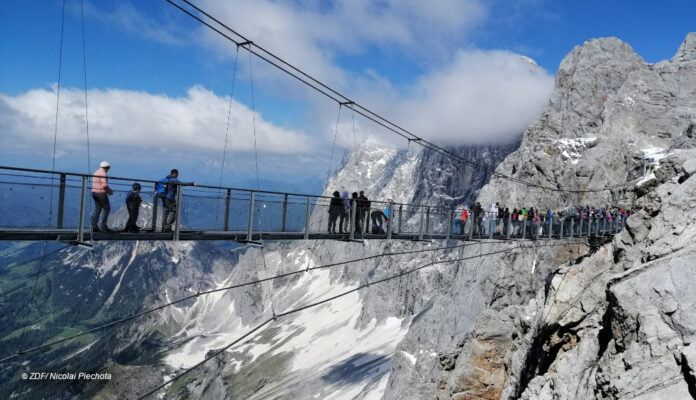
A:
(326, 300)
(365, 112)
(333, 147)
(84, 69)
(226, 288)
(253, 115)
(25, 322)
(222, 166)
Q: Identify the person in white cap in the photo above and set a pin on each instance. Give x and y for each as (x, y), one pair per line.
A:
(100, 193)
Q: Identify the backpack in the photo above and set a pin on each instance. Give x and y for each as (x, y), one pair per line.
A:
(161, 187)
(465, 215)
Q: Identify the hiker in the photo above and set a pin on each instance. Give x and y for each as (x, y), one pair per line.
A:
(100, 193)
(364, 208)
(354, 203)
(477, 211)
(388, 209)
(493, 218)
(504, 216)
(345, 213)
(167, 189)
(456, 220)
(335, 210)
(378, 220)
(133, 204)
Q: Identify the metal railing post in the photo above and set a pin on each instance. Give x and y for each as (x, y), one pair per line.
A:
(366, 221)
(83, 203)
(390, 207)
(550, 227)
(491, 225)
(285, 212)
(420, 228)
(561, 222)
(177, 222)
(226, 225)
(61, 202)
(155, 201)
(508, 232)
(250, 221)
(427, 222)
(307, 215)
(471, 219)
(572, 223)
(449, 227)
(401, 206)
(353, 215)
(604, 227)
(580, 228)
(524, 228)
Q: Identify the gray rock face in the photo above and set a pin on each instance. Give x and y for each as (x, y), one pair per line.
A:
(618, 322)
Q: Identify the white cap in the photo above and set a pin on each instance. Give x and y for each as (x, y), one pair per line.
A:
(104, 164)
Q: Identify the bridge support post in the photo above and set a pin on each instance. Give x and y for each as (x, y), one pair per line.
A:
(572, 222)
(561, 222)
(285, 212)
(83, 202)
(250, 221)
(307, 215)
(226, 226)
(491, 225)
(449, 225)
(508, 231)
(471, 219)
(179, 205)
(61, 202)
(420, 228)
(154, 210)
(580, 229)
(524, 228)
(427, 221)
(550, 226)
(353, 214)
(401, 206)
(604, 227)
(390, 207)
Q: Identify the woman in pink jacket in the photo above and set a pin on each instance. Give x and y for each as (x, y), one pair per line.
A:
(100, 193)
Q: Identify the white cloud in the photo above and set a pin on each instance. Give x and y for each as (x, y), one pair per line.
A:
(312, 34)
(464, 96)
(141, 121)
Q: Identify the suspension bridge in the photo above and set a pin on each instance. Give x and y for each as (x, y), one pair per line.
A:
(30, 196)
(50, 205)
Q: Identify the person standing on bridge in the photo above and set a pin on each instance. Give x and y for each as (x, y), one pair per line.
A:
(364, 209)
(345, 213)
(335, 210)
(169, 198)
(133, 204)
(100, 193)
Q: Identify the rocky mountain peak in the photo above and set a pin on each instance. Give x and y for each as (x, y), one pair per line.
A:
(687, 50)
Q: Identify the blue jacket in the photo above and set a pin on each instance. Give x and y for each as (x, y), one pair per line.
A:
(172, 189)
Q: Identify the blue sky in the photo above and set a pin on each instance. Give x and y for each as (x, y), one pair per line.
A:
(158, 81)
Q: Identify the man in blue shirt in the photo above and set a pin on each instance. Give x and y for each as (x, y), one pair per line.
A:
(169, 199)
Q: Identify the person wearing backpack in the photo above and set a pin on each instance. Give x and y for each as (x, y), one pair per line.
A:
(168, 195)
(100, 194)
(133, 204)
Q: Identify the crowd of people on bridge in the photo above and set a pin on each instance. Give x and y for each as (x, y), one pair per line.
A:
(533, 221)
(165, 190)
(340, 211)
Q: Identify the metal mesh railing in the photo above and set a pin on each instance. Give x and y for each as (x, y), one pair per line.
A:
(32, 200)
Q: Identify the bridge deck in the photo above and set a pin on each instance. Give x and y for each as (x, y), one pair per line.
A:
(242, 237)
